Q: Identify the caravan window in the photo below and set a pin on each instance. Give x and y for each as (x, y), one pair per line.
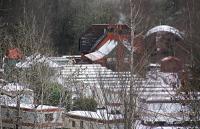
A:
(81, 124)
(73, 124)
(49, 117)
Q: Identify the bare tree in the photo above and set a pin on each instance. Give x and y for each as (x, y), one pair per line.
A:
(32, 41)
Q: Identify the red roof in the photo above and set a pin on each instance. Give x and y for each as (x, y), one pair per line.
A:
(14, 53)
(171, 64)
(112, 36)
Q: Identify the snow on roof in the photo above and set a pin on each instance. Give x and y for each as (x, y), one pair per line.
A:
(108, 47)
(37, 58)
(71, 56)
(15, 87)
(168, 112)
(41, 107)
(95, 55)
(100, 75)
(59, 59)
(154, 65)
(65, 60)
(164, 28)
(100, 115)
(170, 58)
(102, 51)
(33, 106)
(139, 125)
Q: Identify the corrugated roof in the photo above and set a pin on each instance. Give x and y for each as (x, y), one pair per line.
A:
(164, 28)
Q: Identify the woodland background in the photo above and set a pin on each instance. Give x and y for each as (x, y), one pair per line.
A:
(61, 22)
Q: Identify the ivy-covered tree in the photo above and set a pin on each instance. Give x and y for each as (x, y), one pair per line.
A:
(57, 95)
(86, 104)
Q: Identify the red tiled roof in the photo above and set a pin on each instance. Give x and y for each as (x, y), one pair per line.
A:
(14, 53)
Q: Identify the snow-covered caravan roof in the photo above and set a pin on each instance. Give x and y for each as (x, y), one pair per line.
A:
(164, 28)
(31, 107)
(102, 51)
(15, 87)
(140, 125)
(99, 115)
(37, 58)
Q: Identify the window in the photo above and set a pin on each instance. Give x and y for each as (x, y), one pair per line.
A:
(7, 128)
(81, 125)
(73, 124)
(62, 128)
(49, 117)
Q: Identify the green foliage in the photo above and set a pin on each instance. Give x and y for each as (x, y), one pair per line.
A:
(53, 94)
(86, 104)
(56, 95)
